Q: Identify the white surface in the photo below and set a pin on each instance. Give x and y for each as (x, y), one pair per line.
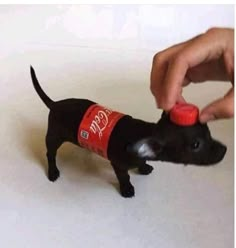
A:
(175, 206)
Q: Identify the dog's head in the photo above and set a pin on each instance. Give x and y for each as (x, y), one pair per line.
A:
(178, 144)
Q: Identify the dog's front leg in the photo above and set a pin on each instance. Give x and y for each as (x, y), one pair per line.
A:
(145, 169)
(121, 171)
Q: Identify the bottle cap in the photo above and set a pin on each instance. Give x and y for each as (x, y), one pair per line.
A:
(184, 114)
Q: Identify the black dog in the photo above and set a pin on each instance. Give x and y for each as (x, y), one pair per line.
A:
(132, 141)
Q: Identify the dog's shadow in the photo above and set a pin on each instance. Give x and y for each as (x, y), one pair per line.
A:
(75, 164)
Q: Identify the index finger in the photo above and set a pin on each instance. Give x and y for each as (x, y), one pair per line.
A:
(204, 48)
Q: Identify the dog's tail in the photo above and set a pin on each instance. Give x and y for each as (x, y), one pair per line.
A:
(39, 90)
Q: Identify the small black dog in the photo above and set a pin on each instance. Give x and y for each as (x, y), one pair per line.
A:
(132, 141)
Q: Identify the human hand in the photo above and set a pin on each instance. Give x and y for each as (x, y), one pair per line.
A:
(209, 56)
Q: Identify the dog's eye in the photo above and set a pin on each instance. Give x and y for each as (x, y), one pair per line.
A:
(195, 145)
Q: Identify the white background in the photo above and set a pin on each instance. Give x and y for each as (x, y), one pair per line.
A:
(131, 26)
(103, 53)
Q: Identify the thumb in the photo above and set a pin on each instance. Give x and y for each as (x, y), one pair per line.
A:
(219, 109)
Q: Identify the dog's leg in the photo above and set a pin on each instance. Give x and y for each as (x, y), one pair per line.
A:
(53, 144)
(126, 188)
(145, 169)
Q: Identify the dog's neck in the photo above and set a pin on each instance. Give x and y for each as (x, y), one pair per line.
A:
(140, 129)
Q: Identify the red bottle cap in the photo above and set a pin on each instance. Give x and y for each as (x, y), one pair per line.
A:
(184, 114)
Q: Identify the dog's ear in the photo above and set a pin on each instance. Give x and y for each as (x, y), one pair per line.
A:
(164, 114)
(147, 148)
(164, 117)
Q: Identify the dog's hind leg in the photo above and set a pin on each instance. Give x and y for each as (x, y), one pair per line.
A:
(52, 143)
(126, 188)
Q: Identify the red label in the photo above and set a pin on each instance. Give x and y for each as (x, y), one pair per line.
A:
(96, 127)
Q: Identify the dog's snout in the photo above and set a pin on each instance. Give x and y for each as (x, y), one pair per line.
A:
(223, 151)
(218, 150)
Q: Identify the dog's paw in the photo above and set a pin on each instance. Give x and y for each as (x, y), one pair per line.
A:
(127, 191)
(145, 169)
(53, 175)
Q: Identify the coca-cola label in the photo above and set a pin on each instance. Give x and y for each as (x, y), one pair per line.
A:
(96, 127)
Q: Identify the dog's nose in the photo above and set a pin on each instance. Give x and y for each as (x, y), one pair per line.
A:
(220, 152)
(223, 151)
